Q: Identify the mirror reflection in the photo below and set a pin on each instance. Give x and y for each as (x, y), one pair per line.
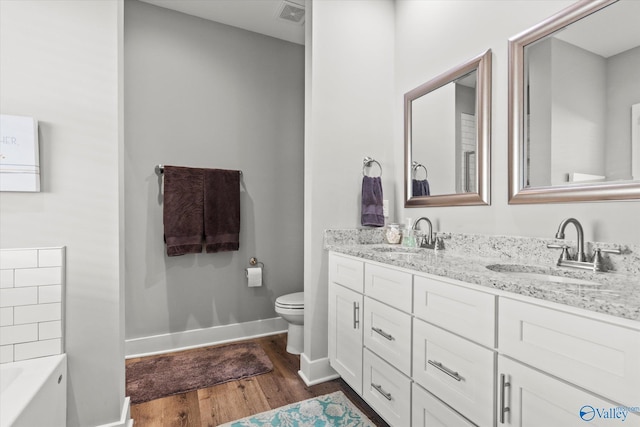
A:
(446, 137)
(576, 106)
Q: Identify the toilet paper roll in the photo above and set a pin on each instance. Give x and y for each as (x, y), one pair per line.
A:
(254, 276)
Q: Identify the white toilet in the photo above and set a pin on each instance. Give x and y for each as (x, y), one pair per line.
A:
(291, 308)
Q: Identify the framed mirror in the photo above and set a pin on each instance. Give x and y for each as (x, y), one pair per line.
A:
(447, 137)
(574, 118)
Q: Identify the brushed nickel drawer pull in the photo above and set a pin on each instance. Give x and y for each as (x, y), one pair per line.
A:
(503, 385)
(383, 333)
(444, 369)
(380, 390)
(356, 314)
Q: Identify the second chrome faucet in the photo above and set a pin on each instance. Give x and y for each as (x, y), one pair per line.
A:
(580, 259)
(429, 241)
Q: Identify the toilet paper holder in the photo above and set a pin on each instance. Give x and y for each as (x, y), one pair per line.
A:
(254, 261)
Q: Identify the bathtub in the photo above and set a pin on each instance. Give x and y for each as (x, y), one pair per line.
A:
(34, 392)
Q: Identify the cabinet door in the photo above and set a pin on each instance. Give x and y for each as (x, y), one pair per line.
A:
(463, 311)
(428, 411)
(529, 398)
(345, 334)
(388, 285)
(387, 332)
(598, 356)
(347, 272)
(386, 390)
(457, 371)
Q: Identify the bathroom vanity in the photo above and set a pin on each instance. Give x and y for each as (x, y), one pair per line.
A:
(432, 338)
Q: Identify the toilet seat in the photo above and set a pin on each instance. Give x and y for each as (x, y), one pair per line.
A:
(293, 301)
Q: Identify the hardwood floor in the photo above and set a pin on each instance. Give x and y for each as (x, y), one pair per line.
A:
(238, 399)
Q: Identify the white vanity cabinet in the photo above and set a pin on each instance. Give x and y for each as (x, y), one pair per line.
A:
(429, 351)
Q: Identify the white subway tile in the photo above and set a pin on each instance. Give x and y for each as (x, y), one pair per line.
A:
(18, 334)
(50, 257)
(6, 316)
(38, 276)
(18, 296)
(18, 258)
(37, 349)
(47, 294)
(6, 354)
(6, 278)
(37, 313)
(49, 330)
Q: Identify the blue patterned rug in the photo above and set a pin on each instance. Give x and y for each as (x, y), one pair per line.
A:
(329, 410)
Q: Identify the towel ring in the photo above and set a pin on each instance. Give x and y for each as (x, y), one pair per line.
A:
(366, 162)
(415, 166)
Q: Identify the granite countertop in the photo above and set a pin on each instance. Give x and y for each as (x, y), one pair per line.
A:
(616, 294)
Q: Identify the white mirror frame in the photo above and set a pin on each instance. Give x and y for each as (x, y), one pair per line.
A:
(481, 64)
(518, 193)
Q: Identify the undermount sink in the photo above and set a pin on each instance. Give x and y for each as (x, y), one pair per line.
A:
(399, 251)
(537, 273)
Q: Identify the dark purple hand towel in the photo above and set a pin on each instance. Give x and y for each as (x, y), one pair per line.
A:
(420, 188)
(183, 210)
(221, 210)
(372, 214)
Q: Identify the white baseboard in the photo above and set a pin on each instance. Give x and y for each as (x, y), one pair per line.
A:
(125, 416)
(316, 371)
(166, 343)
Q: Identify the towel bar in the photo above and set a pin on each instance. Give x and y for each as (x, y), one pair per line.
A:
(160, 170)
(366, 162)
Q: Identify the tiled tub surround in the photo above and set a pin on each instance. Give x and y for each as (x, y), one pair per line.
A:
(466, 258)
(31, 303)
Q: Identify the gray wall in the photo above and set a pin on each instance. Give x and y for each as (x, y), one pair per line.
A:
(203, 94)
(430, 37)
(433, 36)
(349, 103)
(623, 91)
(60, 64)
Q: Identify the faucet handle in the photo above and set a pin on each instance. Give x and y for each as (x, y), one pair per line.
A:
(564, 255)
(598, 264)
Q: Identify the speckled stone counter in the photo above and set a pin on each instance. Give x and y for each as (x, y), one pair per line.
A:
(473, 259)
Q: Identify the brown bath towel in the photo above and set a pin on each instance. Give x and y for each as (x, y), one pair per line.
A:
(183, 210)
(222, 210)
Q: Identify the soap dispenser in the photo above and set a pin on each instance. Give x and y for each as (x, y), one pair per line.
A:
(408, 236)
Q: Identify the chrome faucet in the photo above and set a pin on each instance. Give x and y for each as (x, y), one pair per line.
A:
(580, 257)
(429, 241)
(580, 260)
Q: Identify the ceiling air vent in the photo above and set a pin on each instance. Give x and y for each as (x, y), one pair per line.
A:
(291, 12)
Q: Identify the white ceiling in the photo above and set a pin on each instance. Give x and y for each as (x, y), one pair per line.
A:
(612, 30)
(260, 16)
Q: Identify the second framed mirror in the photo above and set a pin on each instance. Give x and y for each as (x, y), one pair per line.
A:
(447, 137)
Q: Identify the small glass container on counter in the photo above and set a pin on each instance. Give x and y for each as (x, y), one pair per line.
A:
(393, 234)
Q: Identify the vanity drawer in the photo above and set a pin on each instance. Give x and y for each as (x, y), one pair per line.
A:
(466, 312)
(598, 356)
(386, 390)
(388, 285)
(387, 332)
(457, 371)
(428, 411)
(346, 272)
